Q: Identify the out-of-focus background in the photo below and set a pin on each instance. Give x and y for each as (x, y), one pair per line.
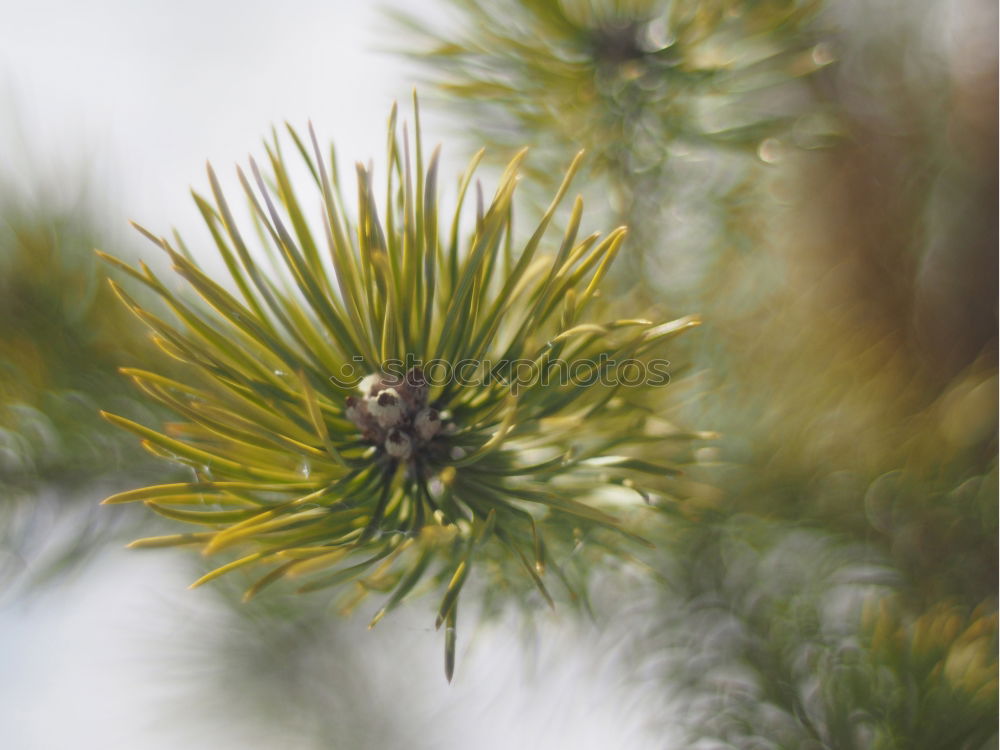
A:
(817, 179)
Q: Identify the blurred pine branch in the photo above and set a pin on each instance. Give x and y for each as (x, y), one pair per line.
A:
(849, 352)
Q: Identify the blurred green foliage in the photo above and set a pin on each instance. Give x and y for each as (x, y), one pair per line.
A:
(844, 259)
(62, 340)
(677, 104)
(781, 635)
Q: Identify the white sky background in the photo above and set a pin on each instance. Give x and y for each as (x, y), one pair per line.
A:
(143, 93)
(140, 94)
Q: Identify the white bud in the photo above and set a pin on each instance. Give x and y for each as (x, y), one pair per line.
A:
(369, 384)
(398, 445)
(386, 407)
(427, 423)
